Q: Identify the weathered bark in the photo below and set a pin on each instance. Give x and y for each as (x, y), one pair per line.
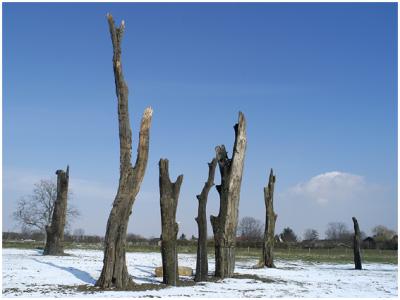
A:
(356, 245)
(270, 220)
(201, 219)
(225, 224)
(169, 194)
(114, 273)
(55, 231)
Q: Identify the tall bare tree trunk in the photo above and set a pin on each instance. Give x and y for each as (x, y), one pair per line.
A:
(356, 245)
(225, 225)
(55, 231)
(169, 194)
(270, 220)
(201, 219)
(114, 273)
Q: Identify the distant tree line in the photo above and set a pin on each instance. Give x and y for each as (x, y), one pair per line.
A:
(250, 234)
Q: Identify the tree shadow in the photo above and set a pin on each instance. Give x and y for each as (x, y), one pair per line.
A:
(81, 275)
(147, 270)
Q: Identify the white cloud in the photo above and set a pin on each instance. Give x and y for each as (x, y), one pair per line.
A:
(331, 187)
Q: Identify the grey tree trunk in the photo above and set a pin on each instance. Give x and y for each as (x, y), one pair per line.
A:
(201, 219)
(225, 224)
(55, 231)
(270, 220)
(356, 245)
(169, 194)
(114, 273)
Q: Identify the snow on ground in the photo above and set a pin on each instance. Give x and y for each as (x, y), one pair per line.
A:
(27, 273)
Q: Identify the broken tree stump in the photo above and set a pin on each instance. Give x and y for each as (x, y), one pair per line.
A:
(225, 224)
(356, 245)
(55, 231)
(201, 219)
(270, 220)
(115, 273)
(169, 194)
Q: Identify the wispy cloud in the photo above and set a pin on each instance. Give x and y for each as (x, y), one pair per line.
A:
(331, 187)
(335, 196)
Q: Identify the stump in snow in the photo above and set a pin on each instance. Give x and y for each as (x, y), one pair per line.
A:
(356, 245)
(55, 231)
(225, 224)
(201, 219)
(169, 194)
(270, 220)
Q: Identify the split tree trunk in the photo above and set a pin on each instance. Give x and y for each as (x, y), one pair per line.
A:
(270, 220)
(55, 231)
(202, 260)
(225, 224)
(114, 273)
(169, 194)
(356, 245)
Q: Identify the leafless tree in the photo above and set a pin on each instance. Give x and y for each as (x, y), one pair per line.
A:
(250, 229)
(34, 212)
(337, 231)
(311, 235)
(78, 234)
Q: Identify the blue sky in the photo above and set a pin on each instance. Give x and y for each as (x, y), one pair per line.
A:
(316, 82)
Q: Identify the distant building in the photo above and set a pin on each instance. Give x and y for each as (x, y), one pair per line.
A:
(369, 243)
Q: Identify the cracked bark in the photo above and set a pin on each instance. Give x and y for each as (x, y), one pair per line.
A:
(115, 273)
(169, 194)
(270, 220)
(225, 224)
(55, 231)
(201, 219)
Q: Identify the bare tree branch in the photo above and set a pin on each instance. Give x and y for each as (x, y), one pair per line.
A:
(34, 211)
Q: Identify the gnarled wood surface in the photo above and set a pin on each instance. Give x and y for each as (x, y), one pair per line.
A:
(114, 273)
(201, 219)
(55, 231)
(225, 224)
(169, 194)
(270, 220)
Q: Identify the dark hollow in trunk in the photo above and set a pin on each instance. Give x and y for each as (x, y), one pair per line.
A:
(201, 219)
(225, 224)
(55, 231)
(114, 273)
(356, 245)
(169, 194)
(270, 220)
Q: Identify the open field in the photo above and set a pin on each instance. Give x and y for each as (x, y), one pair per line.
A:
(27, 273)
(338, 255)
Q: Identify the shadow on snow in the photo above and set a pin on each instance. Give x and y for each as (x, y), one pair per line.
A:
(81, 275)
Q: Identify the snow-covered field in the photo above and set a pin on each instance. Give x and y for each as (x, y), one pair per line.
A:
(26, 273)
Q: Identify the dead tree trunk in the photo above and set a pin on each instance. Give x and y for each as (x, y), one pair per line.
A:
(225, 225)
(169, 194)
(356, 245)
(270, 220)
(55, 231)
(202, 260)
(114, 272)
